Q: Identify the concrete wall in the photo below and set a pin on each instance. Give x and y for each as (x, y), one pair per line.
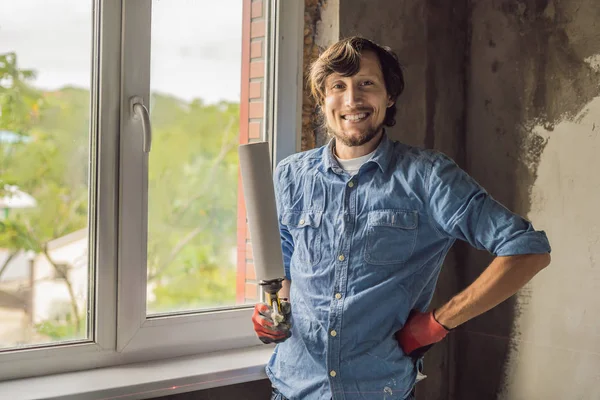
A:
(532, 140)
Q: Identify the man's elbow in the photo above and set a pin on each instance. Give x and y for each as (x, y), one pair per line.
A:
(542, 260)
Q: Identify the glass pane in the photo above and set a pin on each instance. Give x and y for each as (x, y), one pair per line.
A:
(45, 73)
(193, 167)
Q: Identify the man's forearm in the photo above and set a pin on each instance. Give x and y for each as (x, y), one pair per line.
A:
(500, 280)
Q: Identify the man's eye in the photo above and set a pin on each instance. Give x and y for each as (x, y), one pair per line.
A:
(367, 83)
(337, 86)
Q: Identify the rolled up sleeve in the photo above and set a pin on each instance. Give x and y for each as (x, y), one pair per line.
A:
(287, 242)
(461, 209)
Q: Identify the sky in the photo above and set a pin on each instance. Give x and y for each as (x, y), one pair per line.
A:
(196, 44)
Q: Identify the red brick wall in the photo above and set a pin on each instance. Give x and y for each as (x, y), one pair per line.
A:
(252, 109)
(251, 130)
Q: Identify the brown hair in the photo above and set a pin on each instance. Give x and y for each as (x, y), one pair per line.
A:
(343, 58)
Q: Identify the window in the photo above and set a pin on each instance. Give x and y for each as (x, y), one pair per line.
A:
(122, 240)
(192, 168)
(44, 173)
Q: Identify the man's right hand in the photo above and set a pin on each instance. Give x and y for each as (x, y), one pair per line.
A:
(265, 328)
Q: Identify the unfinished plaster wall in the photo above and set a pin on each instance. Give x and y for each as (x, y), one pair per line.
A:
(533, 115)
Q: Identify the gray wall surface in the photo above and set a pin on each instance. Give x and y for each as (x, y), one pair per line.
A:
(533, 116)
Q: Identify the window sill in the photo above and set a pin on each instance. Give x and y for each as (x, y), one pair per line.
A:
(147, 380)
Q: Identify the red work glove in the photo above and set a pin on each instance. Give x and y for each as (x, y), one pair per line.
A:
(419, 333)
(265, 328)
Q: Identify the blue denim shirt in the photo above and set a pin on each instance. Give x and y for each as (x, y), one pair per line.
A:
(362, 251)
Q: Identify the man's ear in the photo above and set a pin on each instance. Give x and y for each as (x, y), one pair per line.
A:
(390, 102)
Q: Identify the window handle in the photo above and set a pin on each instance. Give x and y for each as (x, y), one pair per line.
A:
(140, 112)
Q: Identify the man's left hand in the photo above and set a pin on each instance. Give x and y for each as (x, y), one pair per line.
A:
(419, 333)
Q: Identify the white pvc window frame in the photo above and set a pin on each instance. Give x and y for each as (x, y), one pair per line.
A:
(120, 332)
(103, 211)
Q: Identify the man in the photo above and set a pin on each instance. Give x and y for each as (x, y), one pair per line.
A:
(365, 225)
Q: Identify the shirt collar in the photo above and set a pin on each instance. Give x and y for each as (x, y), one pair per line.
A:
(381, 157)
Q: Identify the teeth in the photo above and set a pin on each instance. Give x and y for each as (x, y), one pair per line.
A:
(355, 117)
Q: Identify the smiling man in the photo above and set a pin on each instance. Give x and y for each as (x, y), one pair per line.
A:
(365, 225)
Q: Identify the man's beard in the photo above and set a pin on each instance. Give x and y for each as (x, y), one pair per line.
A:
(355, 140)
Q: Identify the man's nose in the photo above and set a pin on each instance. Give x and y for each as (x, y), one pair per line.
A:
(353, 97)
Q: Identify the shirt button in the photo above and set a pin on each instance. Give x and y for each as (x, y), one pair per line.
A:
(338, 296)
(351, 184)
(301, 222)
(341, 257)
(333, 333)
(332, 374)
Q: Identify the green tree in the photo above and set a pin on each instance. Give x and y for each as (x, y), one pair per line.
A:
(51, 165)
(19, 102)
(192, 203)
(19, 106)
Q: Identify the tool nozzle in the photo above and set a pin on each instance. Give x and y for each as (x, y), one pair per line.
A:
(271, 288)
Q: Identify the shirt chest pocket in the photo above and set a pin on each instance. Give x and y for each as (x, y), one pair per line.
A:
(391, 236)
(305, 228)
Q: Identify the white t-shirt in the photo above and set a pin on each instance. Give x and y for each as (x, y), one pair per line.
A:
(352, 165)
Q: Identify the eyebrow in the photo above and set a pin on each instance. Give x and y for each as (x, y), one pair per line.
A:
(338, 77)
